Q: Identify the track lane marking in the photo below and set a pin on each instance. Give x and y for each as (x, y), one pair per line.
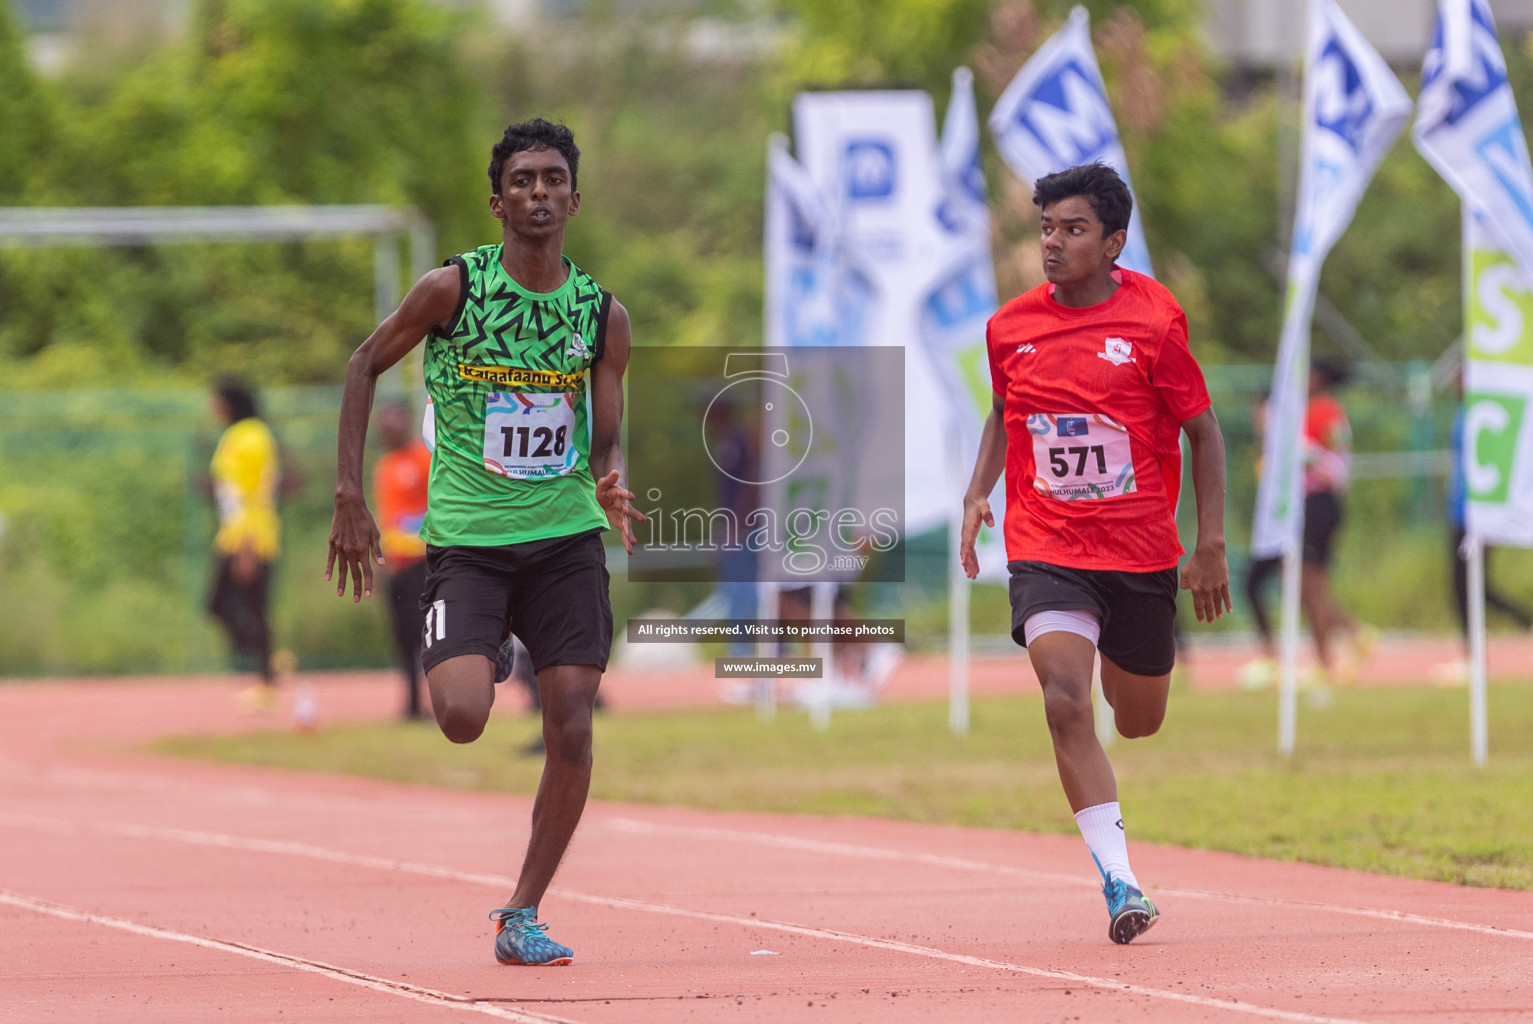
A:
(311, 851)
(404, 989)
(783, 842)
(256, 795)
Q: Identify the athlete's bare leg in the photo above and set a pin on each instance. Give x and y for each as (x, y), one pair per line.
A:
(462, 693)
(1064, 662)
(568, 693)
(1326, 616)
(1138, 702)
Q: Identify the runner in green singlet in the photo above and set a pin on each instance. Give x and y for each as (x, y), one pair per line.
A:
(524, 363)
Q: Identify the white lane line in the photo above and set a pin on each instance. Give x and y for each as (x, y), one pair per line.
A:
(394, 988)
(634, 826)
(231, 842)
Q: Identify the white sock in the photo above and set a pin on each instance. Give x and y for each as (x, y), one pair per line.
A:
(1102, 828)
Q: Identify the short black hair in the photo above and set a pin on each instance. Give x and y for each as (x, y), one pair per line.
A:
(1332, 374)
(534, 134)
(237, 398)
(1099, 184)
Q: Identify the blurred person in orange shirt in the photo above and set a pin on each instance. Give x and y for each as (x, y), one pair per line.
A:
(399, 488)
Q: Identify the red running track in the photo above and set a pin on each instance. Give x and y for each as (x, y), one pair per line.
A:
(141, 889)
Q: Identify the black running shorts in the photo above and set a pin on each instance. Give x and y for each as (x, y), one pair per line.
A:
(1323, 514)
(551, 593)
(1135, 609)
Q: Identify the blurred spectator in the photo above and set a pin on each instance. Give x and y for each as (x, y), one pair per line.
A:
(1327, 473)
(1261, 671)
(245, 476)
(399, 488)
(1327, 460)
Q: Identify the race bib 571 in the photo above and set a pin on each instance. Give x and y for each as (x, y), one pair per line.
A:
(1080, 456)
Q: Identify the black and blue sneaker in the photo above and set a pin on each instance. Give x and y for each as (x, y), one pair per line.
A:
(1129, 912)
(521, 939)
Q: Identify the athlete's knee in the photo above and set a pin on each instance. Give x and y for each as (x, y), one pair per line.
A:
(568, 736)
(1068, 709)
(1140, 723)
(462, 693)
(461, 720)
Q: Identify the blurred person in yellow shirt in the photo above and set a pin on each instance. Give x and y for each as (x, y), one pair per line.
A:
(245, 477)
(399, 490)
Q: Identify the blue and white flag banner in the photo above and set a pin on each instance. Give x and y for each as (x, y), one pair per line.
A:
(1055, 115)
(816, 294)
(959, 303)
(1467, 126)
(1354, 109)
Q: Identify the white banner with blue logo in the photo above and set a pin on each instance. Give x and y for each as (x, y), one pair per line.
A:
(1468, 128)
(960, 301)
(1354, 109)
(1055, 115)
(815, 292)
(872, 157)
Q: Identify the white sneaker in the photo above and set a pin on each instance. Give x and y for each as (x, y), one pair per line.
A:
(1258, 674)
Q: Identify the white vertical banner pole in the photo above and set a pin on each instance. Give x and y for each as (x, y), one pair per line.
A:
(1474, 556)
(1288, 686)
(769, 609)
(958, 621)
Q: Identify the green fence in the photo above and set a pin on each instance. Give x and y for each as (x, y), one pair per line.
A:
(106, 530)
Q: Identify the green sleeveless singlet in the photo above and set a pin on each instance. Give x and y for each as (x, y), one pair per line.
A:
(510, 383)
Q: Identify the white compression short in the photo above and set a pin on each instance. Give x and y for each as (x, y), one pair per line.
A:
(1080, 623)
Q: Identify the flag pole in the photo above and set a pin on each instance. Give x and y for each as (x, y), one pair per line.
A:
(1474, 558)
(1288, 686)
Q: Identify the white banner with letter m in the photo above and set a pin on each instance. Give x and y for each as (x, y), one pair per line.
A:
(1055, 115)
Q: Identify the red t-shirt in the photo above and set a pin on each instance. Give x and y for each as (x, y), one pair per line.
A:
(1094, 401)
(1327, 446)
(399, 482)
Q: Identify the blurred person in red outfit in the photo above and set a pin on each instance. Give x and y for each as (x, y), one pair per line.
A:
(1327, 473)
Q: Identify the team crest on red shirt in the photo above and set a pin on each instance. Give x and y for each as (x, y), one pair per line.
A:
(1117, 351)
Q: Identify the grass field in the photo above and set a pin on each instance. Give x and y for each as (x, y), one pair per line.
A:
(1381, 780)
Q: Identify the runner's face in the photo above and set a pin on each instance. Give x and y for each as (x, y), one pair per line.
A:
(536, 196)
(1074, 250)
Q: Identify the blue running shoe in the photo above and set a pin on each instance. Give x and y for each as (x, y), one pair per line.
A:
(1130, 913)
(520, 939)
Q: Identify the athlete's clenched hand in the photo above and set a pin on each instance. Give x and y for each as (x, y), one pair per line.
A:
(975, 511)
(355, 543)
(1208, 577)
(614, 499)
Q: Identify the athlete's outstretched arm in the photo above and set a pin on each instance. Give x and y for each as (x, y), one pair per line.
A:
(353, 534)
(1206, 574)
(607, 463)
(987, 470)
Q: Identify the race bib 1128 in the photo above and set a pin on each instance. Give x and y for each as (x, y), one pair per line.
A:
(530, 436)
(1080, 456)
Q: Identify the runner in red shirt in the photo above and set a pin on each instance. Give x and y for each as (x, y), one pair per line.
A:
(1093, 383)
